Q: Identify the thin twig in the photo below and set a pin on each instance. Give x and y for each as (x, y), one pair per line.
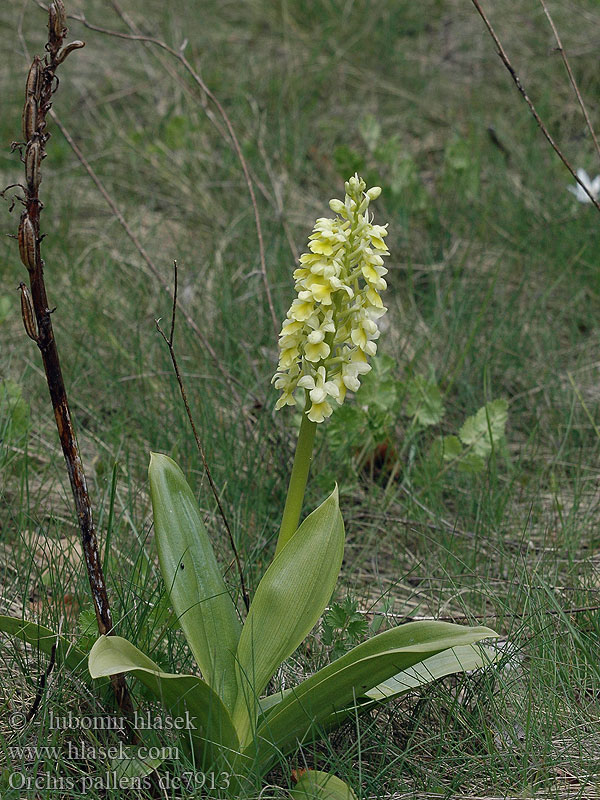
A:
(169, 342)
(179, 55)
(525, 96)
(43, 680)
(563, 55)
(40, 87)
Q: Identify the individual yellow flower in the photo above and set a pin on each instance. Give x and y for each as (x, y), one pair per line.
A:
(331, 326)
(319, 390)
(287, 382)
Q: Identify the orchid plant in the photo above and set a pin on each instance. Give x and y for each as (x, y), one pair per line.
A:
(242, 727)
(329, 333)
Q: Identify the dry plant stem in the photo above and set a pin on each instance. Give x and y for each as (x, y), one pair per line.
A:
(41, 83)
(565, 60)
(525, 96)
(178, 54)
(43, 680)
(169, 342)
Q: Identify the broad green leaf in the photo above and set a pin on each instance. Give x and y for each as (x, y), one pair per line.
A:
(423, 401)
(471, 463)
(210, 731)
(136, 764)
(448, 662)
(288, 602)
(490, 419)
(379, 389)
(192, 577)
(342, 682)
(317, 785)
(45, 639)
(447, 448)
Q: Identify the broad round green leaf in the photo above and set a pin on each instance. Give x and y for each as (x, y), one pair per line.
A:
(192, 577)
(317, 785)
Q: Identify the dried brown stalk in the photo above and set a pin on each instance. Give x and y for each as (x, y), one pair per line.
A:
(41, 84)
(42, 681)
(507, 63)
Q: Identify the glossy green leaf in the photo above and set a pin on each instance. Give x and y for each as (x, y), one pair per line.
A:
(45, 639)
(317, 785)
(288, 602)
(449, 662)
(192, 577)
(339, 684)
(210, 731)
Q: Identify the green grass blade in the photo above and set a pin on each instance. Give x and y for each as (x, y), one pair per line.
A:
(211, 732)
(288, 602)
(190, 571)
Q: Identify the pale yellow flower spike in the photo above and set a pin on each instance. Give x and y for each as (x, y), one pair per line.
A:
(331, 327)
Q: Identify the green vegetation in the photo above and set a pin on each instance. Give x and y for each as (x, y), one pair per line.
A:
(492, 329)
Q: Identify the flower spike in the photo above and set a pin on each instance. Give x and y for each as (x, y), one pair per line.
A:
(331, 327)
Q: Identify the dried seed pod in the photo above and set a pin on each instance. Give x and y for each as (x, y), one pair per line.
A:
(33, 161)
(68, 50)
(57, 19)
(27, 242)
(30, 118)
(54, 25)
(34, 78)
(27, 313)
(61, 13)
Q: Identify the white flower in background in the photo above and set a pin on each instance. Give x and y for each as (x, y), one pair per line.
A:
(593, 187)
(331, 326)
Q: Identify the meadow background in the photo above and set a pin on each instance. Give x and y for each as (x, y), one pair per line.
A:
(493, 293)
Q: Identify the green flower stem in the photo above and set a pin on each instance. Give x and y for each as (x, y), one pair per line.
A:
(298, 479)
